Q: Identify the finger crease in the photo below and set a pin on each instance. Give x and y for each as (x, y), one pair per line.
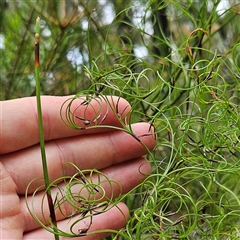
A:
(113, 149)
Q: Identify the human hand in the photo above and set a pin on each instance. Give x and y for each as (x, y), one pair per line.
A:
(113, 152)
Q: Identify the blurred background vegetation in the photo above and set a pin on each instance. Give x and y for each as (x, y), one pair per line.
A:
(182, 59)
(75, 32)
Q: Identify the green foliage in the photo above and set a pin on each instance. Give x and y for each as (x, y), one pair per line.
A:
(185, 83)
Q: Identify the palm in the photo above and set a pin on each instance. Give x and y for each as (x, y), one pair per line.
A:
(11, 214)
(103, 150)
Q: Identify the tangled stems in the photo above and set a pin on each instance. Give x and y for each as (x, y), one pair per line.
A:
(192, 192)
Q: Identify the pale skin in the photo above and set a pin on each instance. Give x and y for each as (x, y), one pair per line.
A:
(113, 152)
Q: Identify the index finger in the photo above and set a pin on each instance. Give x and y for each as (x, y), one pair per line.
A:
(19, 121)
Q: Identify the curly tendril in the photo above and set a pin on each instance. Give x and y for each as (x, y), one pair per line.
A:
(90, 106)
(83, 194)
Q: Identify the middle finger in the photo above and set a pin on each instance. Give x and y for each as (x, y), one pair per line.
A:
(86, 152)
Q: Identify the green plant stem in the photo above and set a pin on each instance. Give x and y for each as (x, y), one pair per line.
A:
(41, 131)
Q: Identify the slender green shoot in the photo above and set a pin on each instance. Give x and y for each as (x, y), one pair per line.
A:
(41, 132)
